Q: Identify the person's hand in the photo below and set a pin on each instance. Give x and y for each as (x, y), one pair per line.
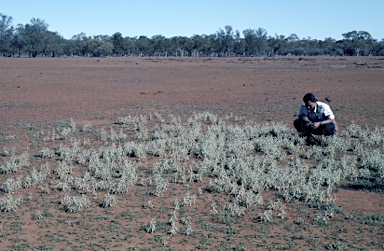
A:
(316, 125)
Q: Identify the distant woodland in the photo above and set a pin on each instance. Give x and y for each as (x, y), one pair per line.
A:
(36, 40)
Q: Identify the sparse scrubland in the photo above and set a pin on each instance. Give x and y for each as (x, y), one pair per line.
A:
(159, 182)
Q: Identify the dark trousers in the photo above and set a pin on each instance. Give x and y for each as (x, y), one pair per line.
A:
(326, 129)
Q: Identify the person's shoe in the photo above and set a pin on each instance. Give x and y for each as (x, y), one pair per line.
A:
(302, 134)
(312, 141)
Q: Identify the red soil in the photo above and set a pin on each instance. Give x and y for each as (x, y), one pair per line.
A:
(84, 88)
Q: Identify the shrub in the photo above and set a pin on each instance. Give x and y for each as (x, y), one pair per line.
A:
(108, 200)
(75, 203)
(8, 203)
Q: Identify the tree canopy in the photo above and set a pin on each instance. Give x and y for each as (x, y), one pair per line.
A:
(35, 40)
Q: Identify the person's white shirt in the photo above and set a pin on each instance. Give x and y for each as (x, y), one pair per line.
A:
(321, 112)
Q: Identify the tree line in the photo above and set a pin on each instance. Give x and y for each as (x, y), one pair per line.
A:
(35, 40)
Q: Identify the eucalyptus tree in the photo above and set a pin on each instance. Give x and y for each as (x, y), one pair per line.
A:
(18, 43)
(131, 47)
(77, 45)
(53, 44)
(105, 38)
(181, 46)
(5, 23)
(98, 48)
(225, 41)
(68, 47)
(281, 45)
(239, 47)
(293, 45)
(33, 36)
(144, 46)
(255, 41)
(308, 46)
(6, 33)
(208, 47)
(330, 47)
(378, 48)
(276, 44)
(159, 45)
(197, 45)
(250, 42)
(261, 40)
(118, 43)
(357, 43)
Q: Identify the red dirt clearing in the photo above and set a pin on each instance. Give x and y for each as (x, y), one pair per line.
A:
(48, 89)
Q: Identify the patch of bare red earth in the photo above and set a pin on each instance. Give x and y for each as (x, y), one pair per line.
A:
(48, 89)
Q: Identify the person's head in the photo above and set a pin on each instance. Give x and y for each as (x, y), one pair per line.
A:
(310, 101)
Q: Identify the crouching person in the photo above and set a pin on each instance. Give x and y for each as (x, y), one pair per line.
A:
(314, 118)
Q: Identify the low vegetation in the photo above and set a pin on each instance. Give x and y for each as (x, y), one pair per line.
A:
(152, 182)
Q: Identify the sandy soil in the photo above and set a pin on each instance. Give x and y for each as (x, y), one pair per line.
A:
(97, 91)
(86, 88)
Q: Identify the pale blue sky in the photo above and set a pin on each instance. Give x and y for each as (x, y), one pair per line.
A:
(317, 19)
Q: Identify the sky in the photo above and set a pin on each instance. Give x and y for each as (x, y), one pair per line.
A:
(314, 19)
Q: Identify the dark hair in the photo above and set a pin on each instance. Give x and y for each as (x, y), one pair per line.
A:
(309, 97)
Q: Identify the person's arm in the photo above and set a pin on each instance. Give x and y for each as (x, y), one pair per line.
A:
(328, 121)
(306, 119)
(328, 114)
(302, 114)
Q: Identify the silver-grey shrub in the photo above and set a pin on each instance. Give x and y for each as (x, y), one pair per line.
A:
(371, 165)
(155, 147)
(108, 200)
(45, 153)
(75, 203)
(8, 152)
(37, 176)
(8, 203)
(375, 138)
(11, 185)
(15, 163)
(355, 131)
(63, 169)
